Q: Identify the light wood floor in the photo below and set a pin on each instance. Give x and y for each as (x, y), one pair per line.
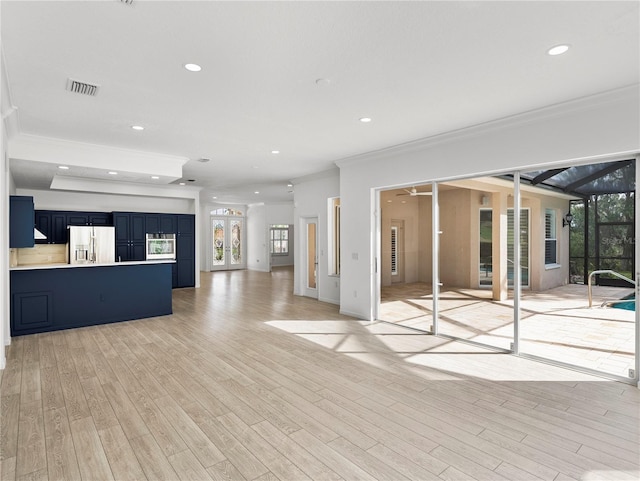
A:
(245, 381)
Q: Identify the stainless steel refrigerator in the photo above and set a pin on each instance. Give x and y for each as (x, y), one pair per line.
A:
(91, 244)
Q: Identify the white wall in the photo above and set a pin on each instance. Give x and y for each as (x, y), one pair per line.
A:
(587, 129)
(280, 213)
(311, 200)
(257, 240)
(88, 201)
(7, 188)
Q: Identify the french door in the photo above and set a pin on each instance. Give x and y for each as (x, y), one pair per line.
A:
(227, 243)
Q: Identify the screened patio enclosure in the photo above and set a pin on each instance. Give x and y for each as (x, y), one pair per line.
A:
(602, 218)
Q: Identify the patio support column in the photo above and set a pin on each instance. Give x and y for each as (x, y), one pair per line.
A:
(499, 246)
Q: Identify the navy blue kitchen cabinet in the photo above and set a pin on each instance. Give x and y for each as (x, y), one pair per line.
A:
(53, 223)
(49, 299)
(185, 251)
(21, 221)
(130, 230)
(161, 223)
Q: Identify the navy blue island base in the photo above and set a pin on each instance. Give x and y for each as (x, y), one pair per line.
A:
(51, 299)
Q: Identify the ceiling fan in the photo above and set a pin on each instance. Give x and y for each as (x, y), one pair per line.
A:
(414, 192)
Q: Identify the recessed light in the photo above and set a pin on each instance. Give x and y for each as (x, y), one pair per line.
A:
(389, 201)
(192, 67)
(257, 192)
(275, 151)
(113, 173)
(137, 127)
(558, 49)
(365, 120)
(183, 183)
(63, 167)
(204, 159)
(155, 177)
(289, 185)
(214, 197)
(323, 82)
(404, 201)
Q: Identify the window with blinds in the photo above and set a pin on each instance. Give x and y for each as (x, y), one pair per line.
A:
(550, 239)
(524, 247)
(394, 251)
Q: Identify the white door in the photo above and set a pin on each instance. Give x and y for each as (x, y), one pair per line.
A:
(311, 258)
(227, 243)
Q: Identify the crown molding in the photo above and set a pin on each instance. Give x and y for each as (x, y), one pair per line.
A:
(629, 94)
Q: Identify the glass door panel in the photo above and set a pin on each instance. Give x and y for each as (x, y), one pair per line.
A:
(236, 242)
(227, 243)
(311, 256)
(219, 257)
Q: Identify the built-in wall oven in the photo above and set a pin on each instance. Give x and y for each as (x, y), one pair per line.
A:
(161, 246)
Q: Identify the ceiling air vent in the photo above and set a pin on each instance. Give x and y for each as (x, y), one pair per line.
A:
(83, 88)
(128, 2)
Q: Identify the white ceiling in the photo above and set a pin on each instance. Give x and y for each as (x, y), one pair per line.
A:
(416, 68)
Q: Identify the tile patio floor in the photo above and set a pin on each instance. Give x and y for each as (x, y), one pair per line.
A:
(556, 324)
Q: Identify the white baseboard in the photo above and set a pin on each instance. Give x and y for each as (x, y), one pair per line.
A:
(330, 301)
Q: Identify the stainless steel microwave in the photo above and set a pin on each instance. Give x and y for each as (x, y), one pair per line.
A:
(161, 246)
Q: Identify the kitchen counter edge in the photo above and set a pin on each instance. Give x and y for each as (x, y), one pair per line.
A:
(109, 264)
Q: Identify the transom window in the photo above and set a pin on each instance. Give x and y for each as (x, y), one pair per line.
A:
(226, 211)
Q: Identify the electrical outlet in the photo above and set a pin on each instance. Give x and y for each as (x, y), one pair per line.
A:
(632, 373)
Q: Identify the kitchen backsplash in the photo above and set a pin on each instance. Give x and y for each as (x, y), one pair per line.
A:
(41, 254)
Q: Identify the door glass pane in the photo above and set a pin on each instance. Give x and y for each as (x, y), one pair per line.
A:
(236, 241)
(218, 242)
(311, 256)
(486, 247)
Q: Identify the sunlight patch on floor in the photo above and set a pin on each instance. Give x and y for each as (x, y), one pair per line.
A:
(397, 349)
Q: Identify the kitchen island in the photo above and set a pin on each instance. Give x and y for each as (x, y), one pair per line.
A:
(63, 296)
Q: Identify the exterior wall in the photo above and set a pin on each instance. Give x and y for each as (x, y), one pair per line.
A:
(455, 241)
(604, 126)
(426, 242)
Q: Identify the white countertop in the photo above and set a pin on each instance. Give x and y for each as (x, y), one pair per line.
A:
(68, 266)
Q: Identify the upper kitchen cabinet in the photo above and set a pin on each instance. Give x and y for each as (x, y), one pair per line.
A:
(53, 223)
(161, 223)
(21, 221)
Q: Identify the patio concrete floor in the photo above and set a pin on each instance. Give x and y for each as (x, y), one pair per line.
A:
(556, 324)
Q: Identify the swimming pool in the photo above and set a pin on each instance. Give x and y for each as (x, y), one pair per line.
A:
(630, 305)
